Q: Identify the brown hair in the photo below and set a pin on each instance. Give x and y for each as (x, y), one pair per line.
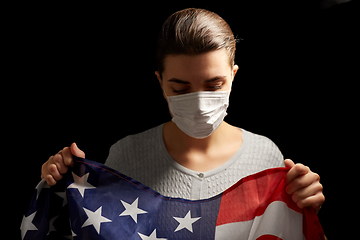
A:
(194, 31)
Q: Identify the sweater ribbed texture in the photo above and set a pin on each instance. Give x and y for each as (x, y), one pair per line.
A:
(144, 157)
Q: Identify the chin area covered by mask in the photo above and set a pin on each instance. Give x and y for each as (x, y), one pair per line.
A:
(199, 114)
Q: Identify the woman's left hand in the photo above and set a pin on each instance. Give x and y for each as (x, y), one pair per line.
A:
(304, 186)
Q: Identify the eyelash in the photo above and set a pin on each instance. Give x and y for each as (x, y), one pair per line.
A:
(216, 87)
(183, 91)
(180, 91)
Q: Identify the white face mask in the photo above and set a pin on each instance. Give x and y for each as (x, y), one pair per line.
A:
(199, 114)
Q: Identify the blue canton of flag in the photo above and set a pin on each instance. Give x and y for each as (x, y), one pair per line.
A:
(93, 201)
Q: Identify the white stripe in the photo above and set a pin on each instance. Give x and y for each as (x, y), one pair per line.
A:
(277, 220)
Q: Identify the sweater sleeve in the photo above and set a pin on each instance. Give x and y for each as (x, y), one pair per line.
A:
(277, 156)
(262, 153)
(113, 160)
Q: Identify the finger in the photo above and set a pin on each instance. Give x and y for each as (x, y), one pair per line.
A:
(309, 191)
(289, 163)
(58, 160)
(44, 167)
(314, 201)
(302, 181)
(68, 157)
(50, 180)
(296, 171)
(53, 170)
(76, 151)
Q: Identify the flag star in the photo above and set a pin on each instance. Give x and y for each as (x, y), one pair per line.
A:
(132, 210)
(27, 224)
(63, 196)
(186, 222)
(95, 219)
(72, 235)
(51, 225)
(81, 183)
(151, 237)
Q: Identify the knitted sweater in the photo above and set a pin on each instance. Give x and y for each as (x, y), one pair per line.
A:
(144, 157)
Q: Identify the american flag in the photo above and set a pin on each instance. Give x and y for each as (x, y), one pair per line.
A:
(93, 201)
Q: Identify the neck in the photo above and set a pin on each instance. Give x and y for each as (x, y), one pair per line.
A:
(173, 134)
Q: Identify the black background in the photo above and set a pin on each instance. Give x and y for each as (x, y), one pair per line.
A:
(87, 76)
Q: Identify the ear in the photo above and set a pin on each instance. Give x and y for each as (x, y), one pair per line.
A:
(158, 77)
(234, 71)
(161, 83)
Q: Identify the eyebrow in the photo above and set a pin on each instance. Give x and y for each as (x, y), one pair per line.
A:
(176, 80)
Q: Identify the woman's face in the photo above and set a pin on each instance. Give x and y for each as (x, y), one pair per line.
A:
(209, 71)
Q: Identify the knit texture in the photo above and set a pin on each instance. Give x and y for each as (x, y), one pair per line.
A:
(144, 157)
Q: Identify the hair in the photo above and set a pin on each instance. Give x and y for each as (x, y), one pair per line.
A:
(194, 31)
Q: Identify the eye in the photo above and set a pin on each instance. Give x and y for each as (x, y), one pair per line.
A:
(181, 91)
(215, 87)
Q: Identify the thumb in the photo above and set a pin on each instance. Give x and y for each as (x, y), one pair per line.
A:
(76, 151)
(289, 163)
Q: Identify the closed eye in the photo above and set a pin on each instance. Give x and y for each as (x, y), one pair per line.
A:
(181, 91)
(215, 87)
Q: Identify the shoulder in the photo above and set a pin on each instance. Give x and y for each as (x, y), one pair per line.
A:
(263, 149)
(133, 146)
(143, 138)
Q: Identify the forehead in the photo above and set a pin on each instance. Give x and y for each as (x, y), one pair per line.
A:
(197, 67)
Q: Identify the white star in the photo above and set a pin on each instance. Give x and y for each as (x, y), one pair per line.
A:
(72, 233)
(63, 196)
(27, 224)
(51, 225)
(186, 222)
(71, 237)
(132, 210)
(81, 183)
(95, 219)
(151, 237)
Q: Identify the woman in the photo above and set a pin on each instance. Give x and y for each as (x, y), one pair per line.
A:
(196, 155)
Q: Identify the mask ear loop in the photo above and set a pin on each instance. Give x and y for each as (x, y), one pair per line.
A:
(165, 94)
(231, 81)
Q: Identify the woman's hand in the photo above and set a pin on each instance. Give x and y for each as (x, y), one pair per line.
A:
(304, 186)
(57, 165)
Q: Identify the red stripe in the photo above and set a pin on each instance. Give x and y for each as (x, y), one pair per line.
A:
(268, 237)
(312, 226)
(251, 195)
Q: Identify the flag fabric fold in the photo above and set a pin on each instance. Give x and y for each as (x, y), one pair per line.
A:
(93, 201)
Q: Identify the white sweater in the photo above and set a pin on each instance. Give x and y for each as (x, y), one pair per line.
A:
(144, 158)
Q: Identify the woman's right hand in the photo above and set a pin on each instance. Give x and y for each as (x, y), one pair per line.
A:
(57, 165)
